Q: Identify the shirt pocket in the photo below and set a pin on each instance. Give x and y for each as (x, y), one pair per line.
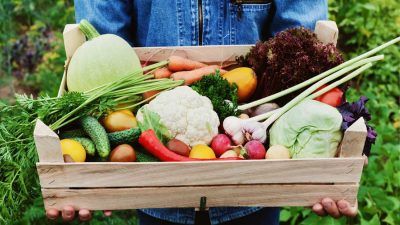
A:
(248, 21)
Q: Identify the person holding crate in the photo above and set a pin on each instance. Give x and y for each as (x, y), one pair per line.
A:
(146, 23)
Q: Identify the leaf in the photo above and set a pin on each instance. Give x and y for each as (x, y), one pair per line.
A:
(152, 120)
(374, 221)
(284, 215)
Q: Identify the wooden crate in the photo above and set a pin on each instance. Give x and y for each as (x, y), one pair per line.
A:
(113, 186)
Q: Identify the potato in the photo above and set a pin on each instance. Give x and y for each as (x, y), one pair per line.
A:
(277, 152)
(119, 120)
(178, 147)
(123, 153)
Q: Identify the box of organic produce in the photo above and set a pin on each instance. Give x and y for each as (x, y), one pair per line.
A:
(204, 126)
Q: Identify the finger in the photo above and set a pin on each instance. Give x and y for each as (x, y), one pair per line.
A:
(68, 158)
(68, 213)
(52, 214)
(330, 207)
(107, 212)
(319, 209)
(346, 210)
(85, 215)
(365, 160)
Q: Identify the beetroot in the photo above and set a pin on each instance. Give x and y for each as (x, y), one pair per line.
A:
(255, 149)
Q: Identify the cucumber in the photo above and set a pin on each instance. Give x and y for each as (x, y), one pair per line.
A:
(87, 144)
(124, 137)
(73, 134)
(98, 134)
(144, 157)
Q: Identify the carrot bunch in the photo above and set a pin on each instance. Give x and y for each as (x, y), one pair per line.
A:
(180, 68)
(190, 71)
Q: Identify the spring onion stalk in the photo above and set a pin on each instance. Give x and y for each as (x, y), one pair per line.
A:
(309, 91)
(320, 76)
(332, 76)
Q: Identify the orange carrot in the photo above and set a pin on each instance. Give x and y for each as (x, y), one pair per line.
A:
(150, 94)
(162, 73)
(177, 63)
(195, 75)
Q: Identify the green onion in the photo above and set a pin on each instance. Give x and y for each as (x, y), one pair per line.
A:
(126, 90)
(346, 64)
(360, 64)
(310, 90)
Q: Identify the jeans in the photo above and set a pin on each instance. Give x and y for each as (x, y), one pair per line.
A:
(265, 216)
(187, 22)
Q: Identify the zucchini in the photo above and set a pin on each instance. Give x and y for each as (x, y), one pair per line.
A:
(87, 144)
(73, 134)
(124, 137)
(144, 157)
(98, 134)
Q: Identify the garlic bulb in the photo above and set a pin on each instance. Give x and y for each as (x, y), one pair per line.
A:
(242, 130)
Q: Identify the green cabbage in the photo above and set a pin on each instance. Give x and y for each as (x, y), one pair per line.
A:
(310, 129)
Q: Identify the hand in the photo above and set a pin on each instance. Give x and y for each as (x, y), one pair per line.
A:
(335, 209)
(68, 214)
(339, 208)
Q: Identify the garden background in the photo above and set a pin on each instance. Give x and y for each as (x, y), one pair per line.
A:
(32, 58)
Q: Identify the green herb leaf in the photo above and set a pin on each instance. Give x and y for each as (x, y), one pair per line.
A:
(151, 120)
(223, 95)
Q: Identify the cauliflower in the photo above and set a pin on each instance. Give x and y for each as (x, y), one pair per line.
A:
(187, 115)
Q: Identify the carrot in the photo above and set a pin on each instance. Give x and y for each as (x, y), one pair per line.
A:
(195, 75)
(149, 94)
(162, 73)
(177, 63)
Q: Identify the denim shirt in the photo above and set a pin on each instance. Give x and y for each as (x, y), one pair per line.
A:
(198, 22)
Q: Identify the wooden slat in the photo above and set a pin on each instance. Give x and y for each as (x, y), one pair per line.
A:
(47, 143)
(199, 173)
(217, 196)
(353, 141)
(207, 54)
(327, 31)
(73, 39)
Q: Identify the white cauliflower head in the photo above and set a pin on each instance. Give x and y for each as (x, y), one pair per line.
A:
(188, 115)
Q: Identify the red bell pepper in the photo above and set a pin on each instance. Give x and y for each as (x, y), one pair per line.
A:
(333, 97)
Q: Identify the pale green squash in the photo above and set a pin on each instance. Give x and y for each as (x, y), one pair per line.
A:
(100, 60)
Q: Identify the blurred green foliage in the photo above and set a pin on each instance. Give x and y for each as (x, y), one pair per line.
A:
(32, 56)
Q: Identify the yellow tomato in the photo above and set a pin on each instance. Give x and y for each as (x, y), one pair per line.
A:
(119, 120)
(202, 152)
(245, 79)
(74, 149)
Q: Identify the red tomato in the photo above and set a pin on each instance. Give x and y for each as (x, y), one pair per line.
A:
(332, 97)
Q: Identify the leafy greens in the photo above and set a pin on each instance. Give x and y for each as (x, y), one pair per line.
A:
(351, 112)
(222, 94)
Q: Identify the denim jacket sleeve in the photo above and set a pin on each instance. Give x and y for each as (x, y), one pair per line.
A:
(292, 13)
(106, 16)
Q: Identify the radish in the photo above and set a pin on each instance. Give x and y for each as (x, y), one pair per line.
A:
(229, 154)
(220, 144)
(255, 150)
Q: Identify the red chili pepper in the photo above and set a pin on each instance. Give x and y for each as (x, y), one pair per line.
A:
(333, 97)
(148, 139)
